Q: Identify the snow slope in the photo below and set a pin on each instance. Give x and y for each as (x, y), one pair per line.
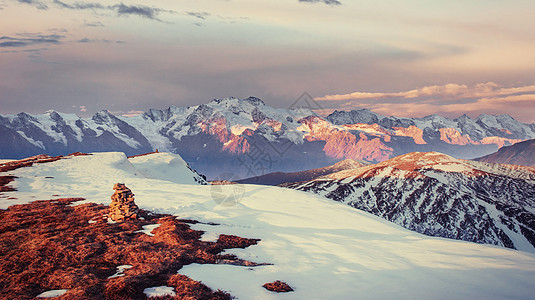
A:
(166, 166)
(323, 249)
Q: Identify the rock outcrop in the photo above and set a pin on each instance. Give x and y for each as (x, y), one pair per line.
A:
(122, 205)
(278, 286)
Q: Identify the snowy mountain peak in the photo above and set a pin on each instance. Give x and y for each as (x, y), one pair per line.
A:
(51, 112)
(350, 164)
(365, 116)
(104, 117)
(255, 101)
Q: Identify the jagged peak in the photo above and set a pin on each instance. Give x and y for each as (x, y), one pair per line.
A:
(350, 163)
(255, 101)
(494, 117)
(102, 116)
(104, 112)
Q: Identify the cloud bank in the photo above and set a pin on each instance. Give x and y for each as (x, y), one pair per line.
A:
(7, 41)
(448, 99)
(37, 4)
(328, 2)
(121, 9)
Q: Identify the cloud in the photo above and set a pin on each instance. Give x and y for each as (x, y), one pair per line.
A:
(328, 2)
(93, 24)
(83, 108)
(200, 15)
(132, 113)
(449, 99)
(451, 90)
(140, 10)
(121, 9)
(80, 5)
(37, 4)
(88, 40)
(6, 41)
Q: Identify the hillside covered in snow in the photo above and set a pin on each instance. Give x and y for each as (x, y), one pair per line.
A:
(323, 249)
(438, 195)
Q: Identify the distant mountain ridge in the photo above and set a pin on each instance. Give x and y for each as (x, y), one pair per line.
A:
(246, 138)
(277, 178)
(522, 153)
(438, 195)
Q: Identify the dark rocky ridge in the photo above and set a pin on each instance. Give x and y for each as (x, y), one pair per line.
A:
(277, 178)
(522, 153)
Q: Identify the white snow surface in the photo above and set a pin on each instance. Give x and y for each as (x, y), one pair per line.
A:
(120, 271)
(159, 291)
(323, 249)
(147, 229)
(52, 294)
(164, 166)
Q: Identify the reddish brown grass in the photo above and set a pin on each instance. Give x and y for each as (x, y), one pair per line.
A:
(149, 153)
(49, 245)
(27, 162)
(4, 181)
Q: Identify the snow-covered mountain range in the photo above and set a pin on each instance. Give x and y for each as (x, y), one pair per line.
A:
(321, 248)
(245, 138)
(438, 195)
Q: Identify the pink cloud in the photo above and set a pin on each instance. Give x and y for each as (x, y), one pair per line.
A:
(132, 113)
(488, 89)
(450, 99)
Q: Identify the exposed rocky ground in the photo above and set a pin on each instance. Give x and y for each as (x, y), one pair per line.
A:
(55, 244)
(278, 286)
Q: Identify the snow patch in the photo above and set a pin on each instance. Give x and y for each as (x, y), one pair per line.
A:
(32, 141)
(147, 229)
(453, 167)
(159, 291)
(52, 294)
(120, 271)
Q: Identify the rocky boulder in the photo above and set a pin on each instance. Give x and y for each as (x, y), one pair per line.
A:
(122, 205)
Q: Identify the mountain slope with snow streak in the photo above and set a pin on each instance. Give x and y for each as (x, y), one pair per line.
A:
(438, 195)
(522, 153)
(321, 248)
(277, 178)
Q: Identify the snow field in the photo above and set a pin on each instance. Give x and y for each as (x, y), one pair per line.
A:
(323, 249)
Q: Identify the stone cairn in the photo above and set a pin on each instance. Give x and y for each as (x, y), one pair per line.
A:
(122, 205)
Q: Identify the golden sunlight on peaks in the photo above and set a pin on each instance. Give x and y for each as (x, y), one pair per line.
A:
(411, 131)
(453, 136)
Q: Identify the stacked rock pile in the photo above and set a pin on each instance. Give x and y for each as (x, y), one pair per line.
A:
(122, 205)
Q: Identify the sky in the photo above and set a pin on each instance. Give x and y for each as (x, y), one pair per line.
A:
(407, 58)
